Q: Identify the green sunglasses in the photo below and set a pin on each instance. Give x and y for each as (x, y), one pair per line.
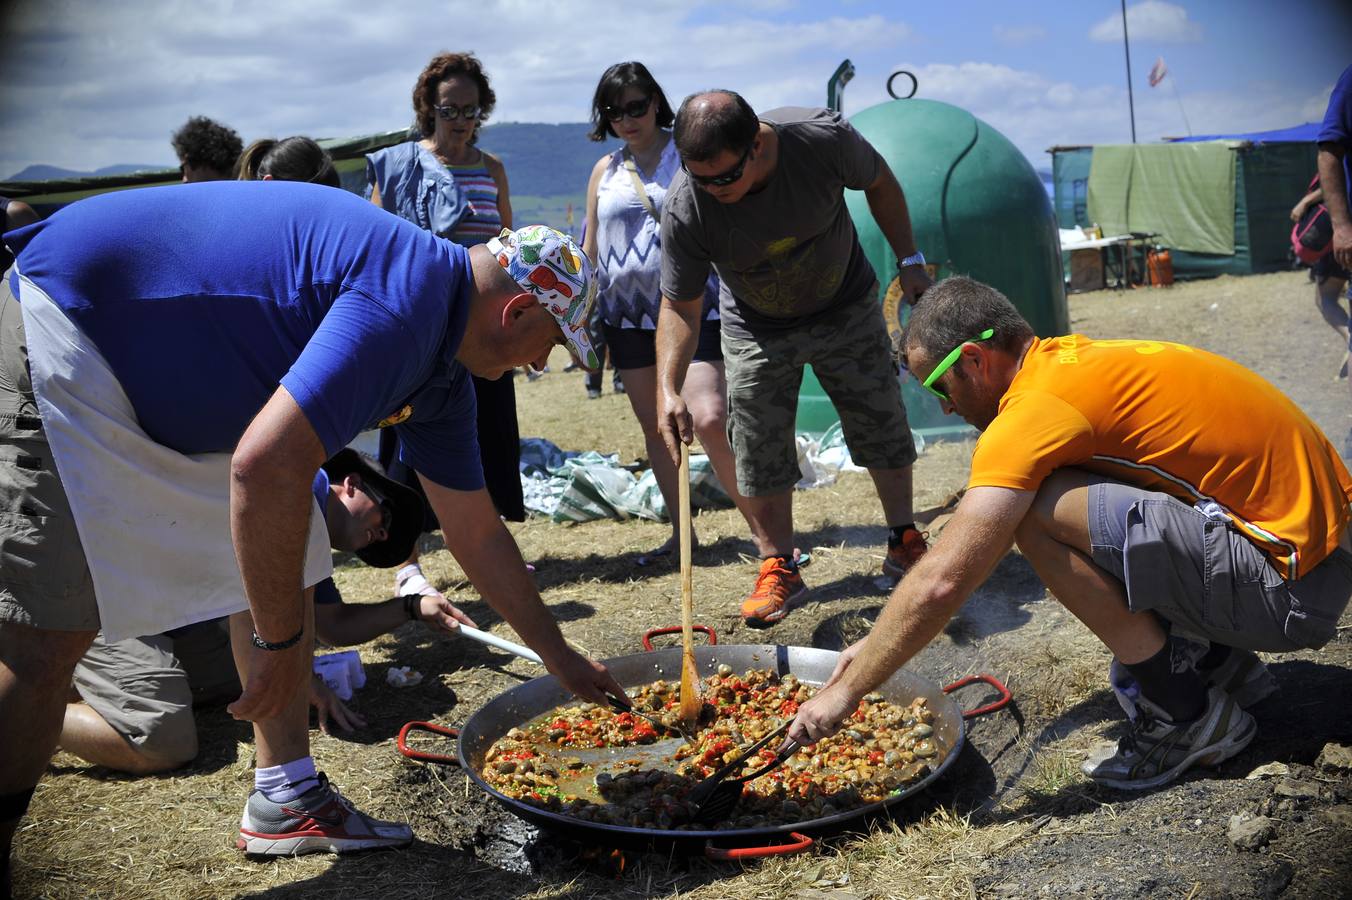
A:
(947, 363)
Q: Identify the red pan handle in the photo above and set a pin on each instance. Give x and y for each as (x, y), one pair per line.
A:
(1005, 695)
(425, 755)
(727, 854)
(676, 629)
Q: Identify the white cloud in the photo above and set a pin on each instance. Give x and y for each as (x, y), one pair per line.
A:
(1151, 20)
(88, 85)
(1019, 35)
(1036, 112)
(1314, 106)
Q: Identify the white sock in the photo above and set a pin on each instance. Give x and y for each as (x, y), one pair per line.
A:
(287, 781)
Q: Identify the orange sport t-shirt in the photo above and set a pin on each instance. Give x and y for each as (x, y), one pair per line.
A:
(1172, 418)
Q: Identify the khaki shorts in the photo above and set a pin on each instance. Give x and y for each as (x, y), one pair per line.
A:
(851, 354)
(146, 687)
(44, 579)
(1208, 580)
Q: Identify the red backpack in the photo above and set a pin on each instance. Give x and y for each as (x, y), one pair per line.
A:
(1312, 236)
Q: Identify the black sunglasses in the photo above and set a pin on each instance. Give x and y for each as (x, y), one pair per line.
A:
(380, 500)
(451, 113)
(724, 178)
(634, 109)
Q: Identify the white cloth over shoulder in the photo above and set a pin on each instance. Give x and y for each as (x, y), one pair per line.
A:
(154, 523)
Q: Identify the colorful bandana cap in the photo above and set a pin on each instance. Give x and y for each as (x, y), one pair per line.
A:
(551, 266)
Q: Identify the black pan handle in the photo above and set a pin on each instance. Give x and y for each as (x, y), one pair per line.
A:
(1005, 695)
(427, 755)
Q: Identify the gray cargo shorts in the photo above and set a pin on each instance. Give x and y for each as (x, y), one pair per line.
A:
(44, 579)
(146, 687)
(851, 354)
(1206, 578)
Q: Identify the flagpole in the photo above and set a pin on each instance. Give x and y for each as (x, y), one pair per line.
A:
(1173, 84)
(1126, 45)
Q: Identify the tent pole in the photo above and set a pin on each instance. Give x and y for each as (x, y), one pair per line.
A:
(1126, 45)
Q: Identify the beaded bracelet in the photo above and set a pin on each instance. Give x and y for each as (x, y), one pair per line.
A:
(280, 645)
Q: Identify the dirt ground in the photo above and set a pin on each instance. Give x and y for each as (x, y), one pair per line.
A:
(1013, 817)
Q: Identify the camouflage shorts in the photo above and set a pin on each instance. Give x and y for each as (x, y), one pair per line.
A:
(851, 355)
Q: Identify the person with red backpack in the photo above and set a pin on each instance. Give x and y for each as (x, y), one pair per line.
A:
(1311, 241)
(1335, 140)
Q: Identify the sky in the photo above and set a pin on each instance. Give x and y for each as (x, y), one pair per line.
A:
(86, 83)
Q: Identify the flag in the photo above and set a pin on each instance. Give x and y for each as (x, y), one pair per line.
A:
(1158, 71)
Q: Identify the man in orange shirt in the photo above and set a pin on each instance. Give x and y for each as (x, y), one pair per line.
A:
(1164, 495)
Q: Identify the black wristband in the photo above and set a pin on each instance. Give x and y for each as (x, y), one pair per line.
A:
(412, 607)
(280, 645)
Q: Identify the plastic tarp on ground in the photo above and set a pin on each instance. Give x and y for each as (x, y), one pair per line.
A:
(1184, 193)
(582, 487)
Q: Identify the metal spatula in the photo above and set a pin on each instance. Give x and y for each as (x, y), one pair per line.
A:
(715, 796)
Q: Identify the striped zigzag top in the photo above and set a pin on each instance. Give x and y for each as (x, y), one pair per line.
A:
(628, 244)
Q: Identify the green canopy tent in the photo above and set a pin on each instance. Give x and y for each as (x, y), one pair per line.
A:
(1220, 206)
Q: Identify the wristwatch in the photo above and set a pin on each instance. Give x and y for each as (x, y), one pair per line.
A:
(915, 259)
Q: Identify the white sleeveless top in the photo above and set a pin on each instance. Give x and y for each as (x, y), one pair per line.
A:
(628, 244)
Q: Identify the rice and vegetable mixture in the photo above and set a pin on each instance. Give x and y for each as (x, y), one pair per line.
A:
(594, 764)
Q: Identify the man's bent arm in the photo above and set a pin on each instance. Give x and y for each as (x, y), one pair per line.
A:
(484, 548)
(1334, 183)
(270, 506)
(887, 203)
(981, 532)
(345, 624)
(678, 325)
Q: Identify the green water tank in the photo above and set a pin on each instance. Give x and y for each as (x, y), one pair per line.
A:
(977, 208)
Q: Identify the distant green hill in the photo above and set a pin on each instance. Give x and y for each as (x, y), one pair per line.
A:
(547, 167)
(545, 160)
(47, 173)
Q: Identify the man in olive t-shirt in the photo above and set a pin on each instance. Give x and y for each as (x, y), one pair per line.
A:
(761, 201)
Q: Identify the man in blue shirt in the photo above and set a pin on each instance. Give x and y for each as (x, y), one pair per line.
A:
(1335, 177)
(196, 352)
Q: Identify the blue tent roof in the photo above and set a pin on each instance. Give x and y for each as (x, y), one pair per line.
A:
(1298, 134)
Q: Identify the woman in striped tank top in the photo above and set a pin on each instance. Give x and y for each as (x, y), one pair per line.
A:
(447, 185)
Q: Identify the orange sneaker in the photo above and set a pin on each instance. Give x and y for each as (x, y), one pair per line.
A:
(776, 586)
(900, 558)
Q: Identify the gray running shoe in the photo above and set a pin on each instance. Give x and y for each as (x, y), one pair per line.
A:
(1243, 676)
(1157, 751)
(318, 820)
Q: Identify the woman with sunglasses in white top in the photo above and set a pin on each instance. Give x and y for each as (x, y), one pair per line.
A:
(624, 205)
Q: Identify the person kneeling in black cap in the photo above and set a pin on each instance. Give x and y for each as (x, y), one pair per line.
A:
(135, 712)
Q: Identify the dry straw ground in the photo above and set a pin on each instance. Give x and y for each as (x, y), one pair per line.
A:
(1013, 818)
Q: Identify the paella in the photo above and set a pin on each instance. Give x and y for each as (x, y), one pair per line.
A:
(621, 768)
